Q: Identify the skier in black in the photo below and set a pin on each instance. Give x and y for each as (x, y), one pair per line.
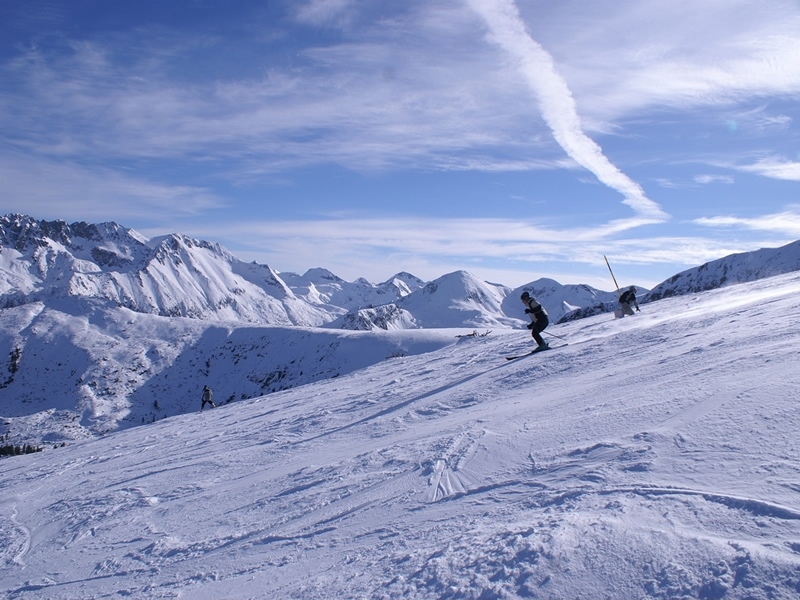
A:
(539, 319)
(207, 398)
(627, 298)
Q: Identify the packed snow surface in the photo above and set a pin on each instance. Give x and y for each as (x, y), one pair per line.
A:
(654, 456)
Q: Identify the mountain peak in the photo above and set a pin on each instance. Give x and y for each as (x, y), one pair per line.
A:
(458, 299)
(318, 274)
(22, 232)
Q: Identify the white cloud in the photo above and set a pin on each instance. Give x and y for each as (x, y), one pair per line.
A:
(707, 179)
(775, 168)
(625, 59)
(325, 12)
(557, 104)
(58, 189)
(669, 184)
(438, 110)
(759, 120)
(787, 223)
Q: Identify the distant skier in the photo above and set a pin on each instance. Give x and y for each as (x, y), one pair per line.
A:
(627, 298)
(207, 398)
(539, 319)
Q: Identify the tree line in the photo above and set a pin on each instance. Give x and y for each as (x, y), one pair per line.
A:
(12, 450)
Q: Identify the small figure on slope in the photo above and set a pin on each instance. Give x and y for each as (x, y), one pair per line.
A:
(207, 398)
(539, 319)
(627, 298)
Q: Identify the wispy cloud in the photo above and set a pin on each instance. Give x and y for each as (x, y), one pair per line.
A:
(58, 189)
(383, 98)
(501, 250)
(760, 120)
(775, 168)
(409, 89)
(557, 104)
(786, 223)
(627, 59)
(707, 179)
(325, 12)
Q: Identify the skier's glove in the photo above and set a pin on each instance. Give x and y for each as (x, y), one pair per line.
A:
(528, 311)
(530, 325)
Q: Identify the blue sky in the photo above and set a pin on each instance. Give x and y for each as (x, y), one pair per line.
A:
(514, 140)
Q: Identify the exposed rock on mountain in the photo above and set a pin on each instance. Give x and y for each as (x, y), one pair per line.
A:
(386, 317)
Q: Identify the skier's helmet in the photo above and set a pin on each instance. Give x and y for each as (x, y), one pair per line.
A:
(525, 296)
(633, 289)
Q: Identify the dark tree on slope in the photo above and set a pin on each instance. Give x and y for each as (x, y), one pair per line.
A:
(11, 450)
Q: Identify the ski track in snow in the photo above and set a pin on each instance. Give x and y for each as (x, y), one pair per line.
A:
(15, 539)
(652, 457)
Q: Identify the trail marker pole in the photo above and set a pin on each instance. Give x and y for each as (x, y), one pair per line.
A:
(612, 276)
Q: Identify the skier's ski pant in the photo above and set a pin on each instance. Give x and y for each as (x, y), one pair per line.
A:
(538, 326)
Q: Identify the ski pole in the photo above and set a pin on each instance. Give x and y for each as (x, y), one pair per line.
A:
(612, 276)
(554, 335)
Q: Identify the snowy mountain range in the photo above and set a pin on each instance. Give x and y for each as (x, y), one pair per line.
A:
(735, 268)
(651, 458)
(102, 329)
(177, 276)
(173, 276)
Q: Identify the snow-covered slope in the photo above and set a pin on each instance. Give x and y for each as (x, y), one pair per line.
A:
(736, 268)
(653, 457)
(79, 367)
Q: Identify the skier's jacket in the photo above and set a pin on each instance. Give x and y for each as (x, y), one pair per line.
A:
(536, 311)
(627, 297)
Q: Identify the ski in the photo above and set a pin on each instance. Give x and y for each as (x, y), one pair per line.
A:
(534, 351)
(519, 355)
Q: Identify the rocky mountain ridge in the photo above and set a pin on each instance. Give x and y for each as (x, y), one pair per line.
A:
(736, 268)
(178, 276)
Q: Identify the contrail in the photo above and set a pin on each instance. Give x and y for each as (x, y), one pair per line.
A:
(557, 105)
